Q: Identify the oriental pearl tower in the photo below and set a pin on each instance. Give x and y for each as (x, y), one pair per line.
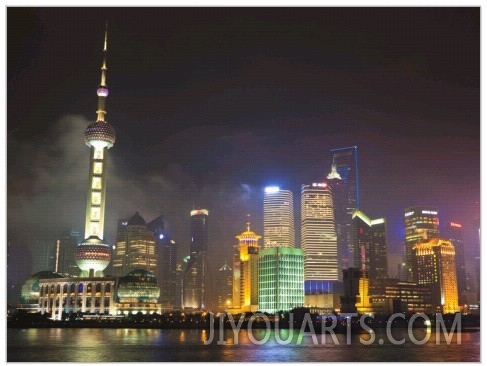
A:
(93, 255)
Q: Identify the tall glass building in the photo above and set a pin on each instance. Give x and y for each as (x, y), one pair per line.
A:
(194, 281)
(281, 279)
(343, 179)
(278, 218)
(371, 244)
(318, 235)
(420, 222)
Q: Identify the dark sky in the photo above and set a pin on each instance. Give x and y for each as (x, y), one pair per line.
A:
(210, 105)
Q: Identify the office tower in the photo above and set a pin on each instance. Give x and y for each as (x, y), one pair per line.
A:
(453, 232)
(93, 255)
(351, 278)
(434, 266)
(224, 287)
(318, 235)
(278, 218)
(246, 271)
(166, 250)
(135, 247)
(343, 180)
(371, 249)
(281, 279)
(64, 253)
(195, 272)
(44, 255)
(420, 222)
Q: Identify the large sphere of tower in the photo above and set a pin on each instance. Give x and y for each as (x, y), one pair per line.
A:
(92, 255)
(100, 133)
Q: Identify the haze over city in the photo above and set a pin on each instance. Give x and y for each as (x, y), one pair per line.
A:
(212, 105)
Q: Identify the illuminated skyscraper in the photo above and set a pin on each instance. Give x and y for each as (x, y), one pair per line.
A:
(246, 271)
(135, 247)
(434, 266)
(453, 232)
(420, 222)
(343, 180)
(93, 255)
(278, 218)
(281, 279)
(194, 281)
(318, 235)
(225, 286)
(371, 247)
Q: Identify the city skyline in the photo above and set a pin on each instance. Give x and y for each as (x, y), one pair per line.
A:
(211, 147)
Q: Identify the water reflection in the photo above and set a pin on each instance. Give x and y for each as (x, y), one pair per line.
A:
(145, 345)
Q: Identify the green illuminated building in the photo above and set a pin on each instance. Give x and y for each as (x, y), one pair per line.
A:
(281, 279)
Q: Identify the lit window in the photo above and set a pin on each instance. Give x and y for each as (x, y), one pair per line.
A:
(98, 153)
(97, 168)
(95, 213)
(96, 184)
(94, 228)
(95, 198)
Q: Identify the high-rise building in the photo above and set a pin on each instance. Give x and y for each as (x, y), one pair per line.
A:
(371, 249)
(281, 279)
(278, 218)
(195, 273)
(135, 247)
(453, 232)
(434, 266)
(166, 250)
(224, 287)
(318, 235)
(420, 222)
(93, 255)
(343, 180)
(64, 253)
(246, 271)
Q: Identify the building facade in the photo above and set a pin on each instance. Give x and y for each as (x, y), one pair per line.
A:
(371, 246)
(278, 218)
(318, 235)
(434, 266)
(453, 232)
(343, 179)
(194, 281)
(135, 247)
(281, 279)
(420, 222)
(246, 272)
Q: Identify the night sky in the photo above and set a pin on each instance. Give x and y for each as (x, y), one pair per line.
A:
(210, 105)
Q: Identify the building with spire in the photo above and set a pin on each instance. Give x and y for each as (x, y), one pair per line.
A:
(246, 272)
(93, 254)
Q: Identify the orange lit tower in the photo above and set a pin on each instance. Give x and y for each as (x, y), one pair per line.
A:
(434, 266)
(246, 271)
(93, 255)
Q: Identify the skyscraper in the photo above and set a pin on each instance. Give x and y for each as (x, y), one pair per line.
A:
(195, 273)
(246, 271)
(281, 279)
(278, 218)
(93, 255)
(224, 287)
(434, 266)
(420, 222)
(166, 250)
(453, 232)
(344, 182)
(318, 235)
(135, 247)
(371, 247)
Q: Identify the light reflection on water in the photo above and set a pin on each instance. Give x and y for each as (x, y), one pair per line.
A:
(108, 345)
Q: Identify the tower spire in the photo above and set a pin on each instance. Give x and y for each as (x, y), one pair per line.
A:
(102, 90)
